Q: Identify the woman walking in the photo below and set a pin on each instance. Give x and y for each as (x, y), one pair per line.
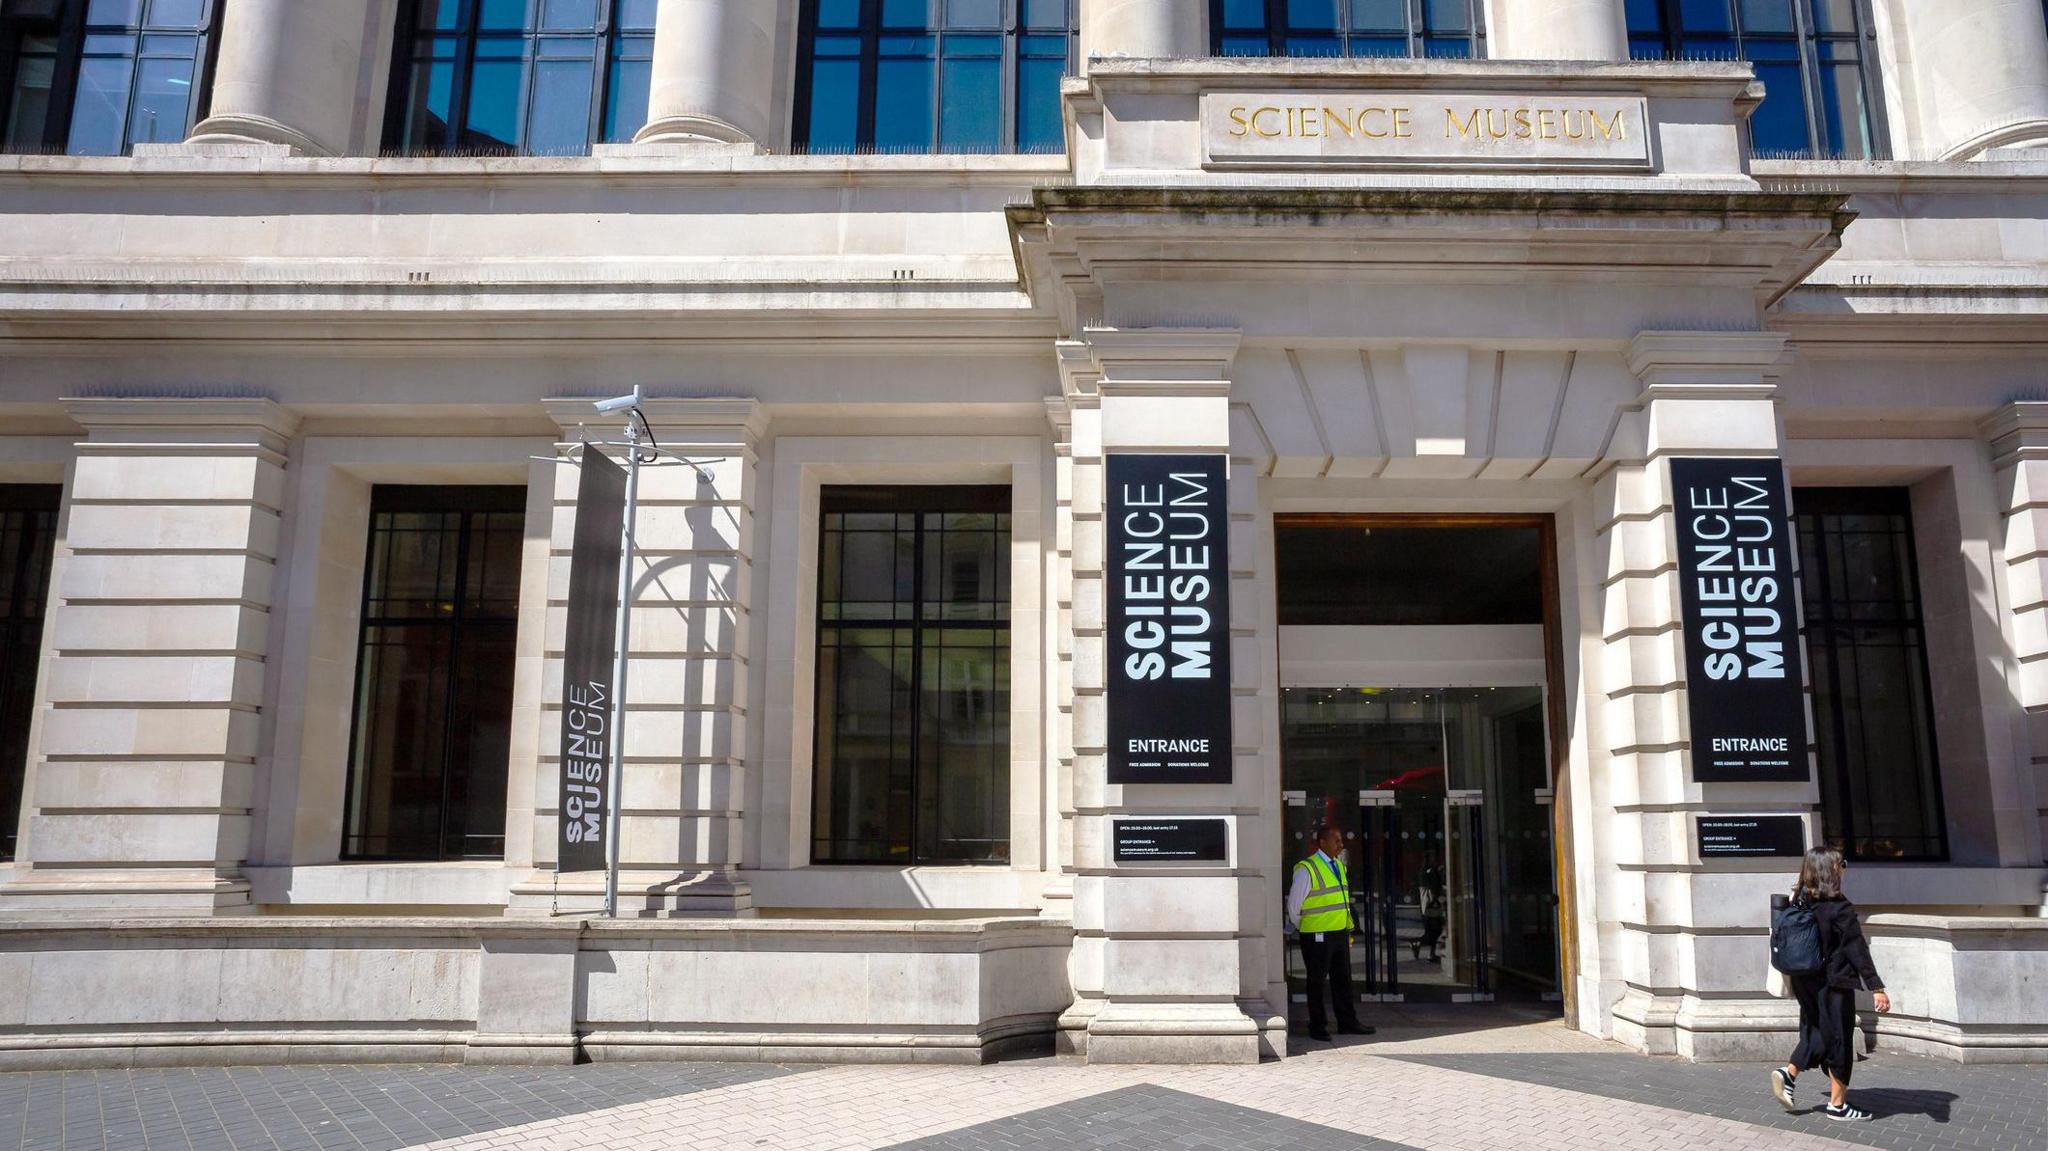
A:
(1827, 998)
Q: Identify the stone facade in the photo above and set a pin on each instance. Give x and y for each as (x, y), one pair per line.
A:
(221, 348)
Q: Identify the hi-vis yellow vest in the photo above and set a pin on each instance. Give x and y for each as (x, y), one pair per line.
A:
(1328, 906)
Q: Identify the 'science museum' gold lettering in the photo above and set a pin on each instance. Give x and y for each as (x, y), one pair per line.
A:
(1383, 122)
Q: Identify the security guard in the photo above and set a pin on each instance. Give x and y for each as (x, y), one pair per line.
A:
(1319, 910)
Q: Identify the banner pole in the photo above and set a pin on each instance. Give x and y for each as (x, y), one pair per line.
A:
(621, 637)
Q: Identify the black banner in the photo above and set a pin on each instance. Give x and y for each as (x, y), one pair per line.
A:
(587, 664)
(1751, 836)
(1204, 839)
(1738, 596)
(1167, 582)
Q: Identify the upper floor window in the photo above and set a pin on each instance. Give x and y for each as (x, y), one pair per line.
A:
(538, 77)
(1820, 94)
(96, 77)
(932, 75)
(1346, 28)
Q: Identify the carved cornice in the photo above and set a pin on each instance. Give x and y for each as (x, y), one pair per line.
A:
(183, 424)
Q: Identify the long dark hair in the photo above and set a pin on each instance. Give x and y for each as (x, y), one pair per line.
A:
(1820, 876)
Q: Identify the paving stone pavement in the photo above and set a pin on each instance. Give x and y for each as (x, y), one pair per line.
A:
(1535, 1089)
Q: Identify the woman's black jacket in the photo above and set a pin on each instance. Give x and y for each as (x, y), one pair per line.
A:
(1848, 963)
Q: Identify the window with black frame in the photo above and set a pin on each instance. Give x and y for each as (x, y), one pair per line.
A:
(959, 76)
(1447, 28)
(519, 77)
(97, 77)
(1880, 779)
(433, 710)
(28, 536)
(1815, 58)
(913, 720)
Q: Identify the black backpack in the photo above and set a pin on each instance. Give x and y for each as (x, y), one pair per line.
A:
(1795, 939)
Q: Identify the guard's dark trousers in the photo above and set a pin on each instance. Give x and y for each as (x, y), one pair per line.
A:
(1329, 969)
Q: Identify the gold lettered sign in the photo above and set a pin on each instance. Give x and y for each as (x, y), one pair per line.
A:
(1374, 129)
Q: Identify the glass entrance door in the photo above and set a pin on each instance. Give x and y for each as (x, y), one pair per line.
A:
(1444, 798)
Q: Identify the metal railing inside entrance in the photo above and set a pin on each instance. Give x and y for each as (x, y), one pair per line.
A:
(1445, 802)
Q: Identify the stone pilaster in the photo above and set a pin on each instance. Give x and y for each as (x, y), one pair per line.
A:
(1060, 647)
(156, 638)
(714, 73)
(686, 692)
(1693, 936)
(1559, 30)
(290, 73)
(1975, 75)
(1147, 29)
(2018, 435)
(1168, 961)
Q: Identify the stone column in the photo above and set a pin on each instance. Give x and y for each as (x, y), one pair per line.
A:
(1976, 74)
(1157, 29)
(686, 691)
(2019, 449)
(157, 637)
(714, 73)
(291, 73)
(1693, 937)
(1060, 666)
(1168, 961)
(1558, 30)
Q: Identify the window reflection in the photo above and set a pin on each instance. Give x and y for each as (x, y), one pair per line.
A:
(913, 717)
(1809, 54)
(1356, 28)
(933, 75)
(1880, 778)
(533, 77)
(96, 77)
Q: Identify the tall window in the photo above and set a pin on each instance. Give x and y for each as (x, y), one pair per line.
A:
(1880, 783)
(533, 77)
(933, 75)
(433, 712)
(1819, 95)
(1346, 28)
(913, 722)
(28, 533)
(96, 77)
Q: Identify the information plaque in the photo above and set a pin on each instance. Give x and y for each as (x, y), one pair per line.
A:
(1204, 839)
(1751, 836)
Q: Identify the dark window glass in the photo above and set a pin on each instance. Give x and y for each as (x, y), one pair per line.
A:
(1439, 28)
(433, 713)
(1880, 784)
(966, 76)
(1819, 96)
(96, 77)
(1333, 573)
(913, 721)
(28, 534)
(531, 77)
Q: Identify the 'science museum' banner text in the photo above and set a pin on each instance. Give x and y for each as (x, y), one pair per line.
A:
(1168, 590)
(587, 664)
(1736, 590)
(1375, 129)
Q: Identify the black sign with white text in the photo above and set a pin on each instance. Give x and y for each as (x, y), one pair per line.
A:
(1737, 595)
(1200, 840)
(587, 664)
(1167, 582)
(1751, 836)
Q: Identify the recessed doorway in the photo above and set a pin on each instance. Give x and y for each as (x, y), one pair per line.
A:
(1418, 663)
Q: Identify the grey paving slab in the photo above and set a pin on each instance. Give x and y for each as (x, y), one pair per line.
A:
(1917, 1104)
(374, 1108)
(1149, 1118)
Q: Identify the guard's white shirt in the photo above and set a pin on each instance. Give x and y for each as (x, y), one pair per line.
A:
(1299, 890)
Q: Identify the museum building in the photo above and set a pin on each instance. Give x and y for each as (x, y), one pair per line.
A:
(1587, 451)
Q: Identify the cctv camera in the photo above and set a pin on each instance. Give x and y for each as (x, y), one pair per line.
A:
(620, 403)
